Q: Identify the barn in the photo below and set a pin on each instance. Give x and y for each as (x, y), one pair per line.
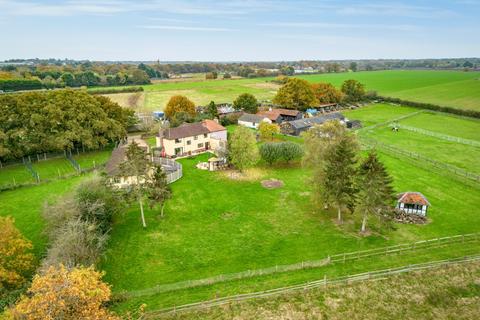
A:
(294, 128)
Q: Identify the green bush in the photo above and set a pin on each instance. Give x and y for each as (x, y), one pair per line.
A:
(290, 151)
(270, 152)
(97, 204)
(78, 224)
(276, 151)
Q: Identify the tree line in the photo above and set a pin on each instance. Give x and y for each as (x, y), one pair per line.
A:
(38, 122)
(300, 94)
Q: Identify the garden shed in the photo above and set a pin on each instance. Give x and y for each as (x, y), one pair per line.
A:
(413, 203)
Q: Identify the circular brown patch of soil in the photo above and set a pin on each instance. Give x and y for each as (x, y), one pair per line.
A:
(272, 183)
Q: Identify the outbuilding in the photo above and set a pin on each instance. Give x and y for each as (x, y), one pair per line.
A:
(252, 120)
(413, 203)
(294, 128)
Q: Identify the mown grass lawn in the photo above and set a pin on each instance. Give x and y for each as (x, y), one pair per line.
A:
(449, 152)
(216, 225)
(25, 205)
(15, 174)
(462, 127)
(378, 113)
(93, 159)
(53, 168)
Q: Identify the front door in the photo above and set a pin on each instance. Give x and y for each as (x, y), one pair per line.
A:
(207, 145)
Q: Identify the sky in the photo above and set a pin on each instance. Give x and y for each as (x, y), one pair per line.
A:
(248, 30)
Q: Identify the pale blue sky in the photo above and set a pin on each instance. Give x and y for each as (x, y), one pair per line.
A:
(238, 30)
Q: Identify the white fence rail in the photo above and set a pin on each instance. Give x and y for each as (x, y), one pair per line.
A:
(173, 168)
(342, 257)
(372, 143)
(439, 135)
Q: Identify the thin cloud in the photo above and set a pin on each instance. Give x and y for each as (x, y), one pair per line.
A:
(184, 28)
(103, 7)
(393, 9)
(326, 25)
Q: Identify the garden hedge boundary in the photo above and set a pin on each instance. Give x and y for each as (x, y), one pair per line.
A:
(120, 90)
(434, 107)
(20, 84)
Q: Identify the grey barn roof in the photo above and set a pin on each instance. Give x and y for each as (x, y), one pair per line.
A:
(308, 122)
(248, 117)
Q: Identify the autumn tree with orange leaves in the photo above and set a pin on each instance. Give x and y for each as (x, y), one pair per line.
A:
(16, 258)
(65, 294)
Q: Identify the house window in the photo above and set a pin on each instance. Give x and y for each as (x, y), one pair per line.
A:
(200, 145)
(189, 142)
(195, 138)
(178, 140)
(205, 135)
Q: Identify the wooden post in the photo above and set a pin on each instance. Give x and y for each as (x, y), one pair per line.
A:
(14, 182)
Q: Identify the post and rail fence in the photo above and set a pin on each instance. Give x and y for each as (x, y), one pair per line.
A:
(323, 283)
(330, 259)
(372, 143)
(28, 162)
(439, 135)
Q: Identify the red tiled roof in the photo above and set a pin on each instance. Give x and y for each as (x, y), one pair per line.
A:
(274, 113)
(413, 198)
(269, 114)
(213, 126)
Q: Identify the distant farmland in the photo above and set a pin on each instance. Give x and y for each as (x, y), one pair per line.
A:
(446, 88)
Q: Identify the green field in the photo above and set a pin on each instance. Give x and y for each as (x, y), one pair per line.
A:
(53, 168)
(215, 225)
(446, 88)
(15, 174)
(25, 205)
(218, 225)
(452, 292)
